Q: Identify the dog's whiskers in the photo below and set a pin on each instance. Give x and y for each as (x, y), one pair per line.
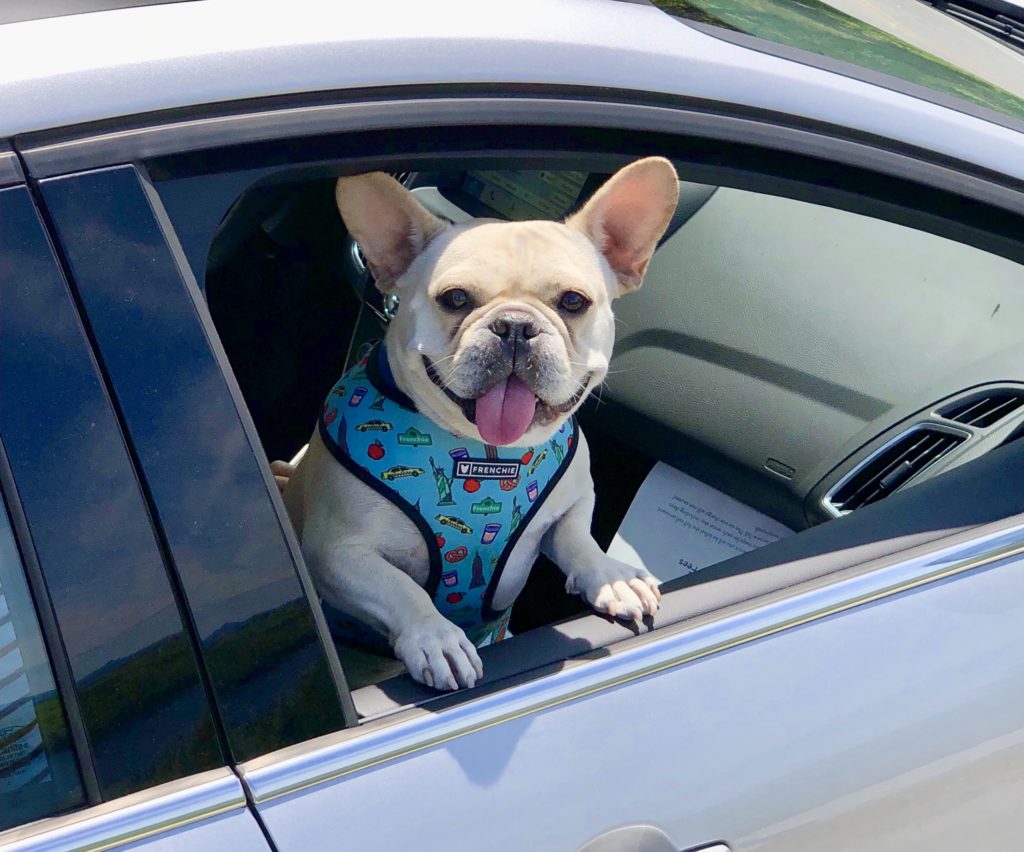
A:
(444, 382)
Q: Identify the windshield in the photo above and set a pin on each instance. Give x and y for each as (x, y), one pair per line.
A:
(821, 28)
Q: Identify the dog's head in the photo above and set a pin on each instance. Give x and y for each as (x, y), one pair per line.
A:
(504, 327)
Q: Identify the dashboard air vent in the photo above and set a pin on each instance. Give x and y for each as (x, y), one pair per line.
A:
(893, 466)
(983, 411)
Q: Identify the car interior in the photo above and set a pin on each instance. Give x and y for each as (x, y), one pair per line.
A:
(857, 381)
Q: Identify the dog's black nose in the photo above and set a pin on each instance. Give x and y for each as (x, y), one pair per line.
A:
(514, 327)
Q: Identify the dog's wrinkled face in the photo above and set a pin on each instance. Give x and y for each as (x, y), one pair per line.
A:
(513, 325)
(505, 327)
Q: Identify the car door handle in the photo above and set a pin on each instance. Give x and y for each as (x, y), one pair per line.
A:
(643, 838)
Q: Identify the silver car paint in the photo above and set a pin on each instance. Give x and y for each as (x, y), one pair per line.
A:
(83, 68)
(843, 715)
(202, 812)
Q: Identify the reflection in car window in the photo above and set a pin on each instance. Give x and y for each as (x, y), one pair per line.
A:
(816, 27)
(38, 773)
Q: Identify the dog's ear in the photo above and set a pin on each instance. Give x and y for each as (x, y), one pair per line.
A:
(627, 216)
(389, 224)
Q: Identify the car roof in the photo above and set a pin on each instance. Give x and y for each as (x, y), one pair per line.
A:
(92, 67)
(30, 10)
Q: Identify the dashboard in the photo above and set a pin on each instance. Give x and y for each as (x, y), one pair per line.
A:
(805, 359)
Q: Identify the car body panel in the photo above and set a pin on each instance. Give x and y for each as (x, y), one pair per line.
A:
(67, 71)
(205, 813)
(821, 719)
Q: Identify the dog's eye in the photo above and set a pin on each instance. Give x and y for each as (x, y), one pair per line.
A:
(573, 302)
(456, 299)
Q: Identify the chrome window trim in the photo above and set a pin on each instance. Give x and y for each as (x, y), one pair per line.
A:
(961, 432)
(132, 818)
(332, 757)
(10, 168)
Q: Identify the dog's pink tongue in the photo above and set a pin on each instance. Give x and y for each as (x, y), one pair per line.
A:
(505, 412)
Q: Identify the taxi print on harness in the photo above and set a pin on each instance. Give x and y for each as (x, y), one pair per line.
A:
(445, 464)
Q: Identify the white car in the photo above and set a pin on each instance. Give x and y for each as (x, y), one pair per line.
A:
(829, 338)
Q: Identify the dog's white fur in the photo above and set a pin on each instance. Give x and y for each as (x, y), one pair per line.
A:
(366, 557)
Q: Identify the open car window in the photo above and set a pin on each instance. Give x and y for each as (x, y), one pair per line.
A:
(780, 353)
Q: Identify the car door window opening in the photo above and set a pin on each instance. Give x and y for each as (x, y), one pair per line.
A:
(780, 325)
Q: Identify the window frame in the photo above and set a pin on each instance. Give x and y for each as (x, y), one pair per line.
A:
(10, 167)
(119, 202)
(300, 133)
(404, 729)
(49, 361)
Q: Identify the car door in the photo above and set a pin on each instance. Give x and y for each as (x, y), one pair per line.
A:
(106, 732)
(841, 697)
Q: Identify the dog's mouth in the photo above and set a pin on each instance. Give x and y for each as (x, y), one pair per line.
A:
(507, 410)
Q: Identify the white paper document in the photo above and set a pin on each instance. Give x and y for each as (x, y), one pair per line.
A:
(677, 525)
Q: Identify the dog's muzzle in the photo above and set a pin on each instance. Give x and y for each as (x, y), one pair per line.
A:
(546, 411)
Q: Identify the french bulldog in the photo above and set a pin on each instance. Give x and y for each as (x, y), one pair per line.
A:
(502, 330)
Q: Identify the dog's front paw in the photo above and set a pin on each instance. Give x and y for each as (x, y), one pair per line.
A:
(620, 590)
(438, 654)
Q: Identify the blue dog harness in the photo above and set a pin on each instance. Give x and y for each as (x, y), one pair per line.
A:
(469, 500)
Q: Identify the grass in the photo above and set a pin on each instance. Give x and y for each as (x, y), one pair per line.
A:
(816, 27)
